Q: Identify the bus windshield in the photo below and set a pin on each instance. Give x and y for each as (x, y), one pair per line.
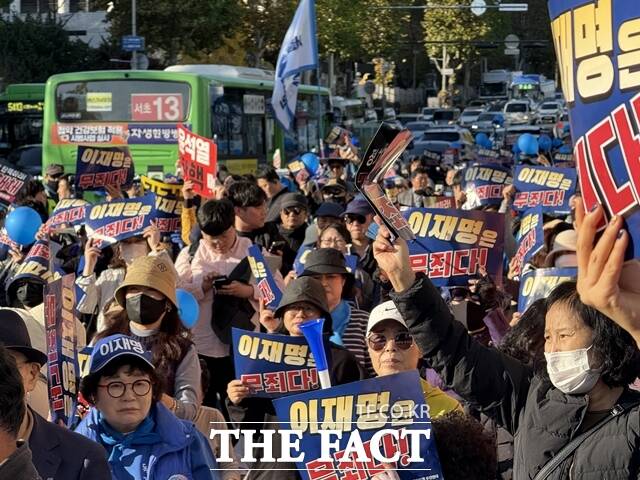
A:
(123, 101)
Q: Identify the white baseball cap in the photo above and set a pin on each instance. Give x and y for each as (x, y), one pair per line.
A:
(385, 311)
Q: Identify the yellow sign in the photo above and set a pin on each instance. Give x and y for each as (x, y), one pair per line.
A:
(99, 101)
(19, 107)
(241, 166)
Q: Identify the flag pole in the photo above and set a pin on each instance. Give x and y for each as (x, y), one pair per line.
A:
(318, 96)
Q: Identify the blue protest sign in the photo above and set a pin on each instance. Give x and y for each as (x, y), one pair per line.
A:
(168, 203)
(68, 212)
(483, 184)
(597, 51)
(274, 365)
(301, 258)
(37, 264)
(6, 244)
(539, 283)
(451, 245)
(62, 355)
(98, 167)
(269, 291)
(384, 417)
(548, 187)
(110, 222)
(530, 238)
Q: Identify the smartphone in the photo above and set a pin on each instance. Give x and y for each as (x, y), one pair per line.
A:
(277, 245)
(221, 281)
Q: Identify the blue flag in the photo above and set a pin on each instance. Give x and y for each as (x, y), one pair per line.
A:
(299, 52)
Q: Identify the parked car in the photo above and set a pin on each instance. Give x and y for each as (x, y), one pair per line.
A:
(27, 159)
(446, 116)
(469, 116)
(418, 128)
(406, 118)
(427, 113)
(549, 112)
(487, 122)
(477, 104)
(440, 139)
(518, 112)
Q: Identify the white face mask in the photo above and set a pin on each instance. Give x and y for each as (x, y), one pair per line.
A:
(570, 371)
(566, 260)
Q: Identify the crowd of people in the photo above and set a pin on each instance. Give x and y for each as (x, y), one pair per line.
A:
(542, 393)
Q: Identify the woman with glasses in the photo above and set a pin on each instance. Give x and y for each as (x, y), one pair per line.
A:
(143, 439)
(392, 350)
(303, 299)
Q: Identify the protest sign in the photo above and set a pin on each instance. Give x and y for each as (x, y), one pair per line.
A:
(539, 283)
(385, 418)
(98, 167)
(6, 244)
(62, 357)
(269, 291)
(68, 212)
(11, 182)
(483, 184)
(110, 222)
(299, 171)
(598, 55)
(37, 264)
(432, 159)
(168, 203)
(440, 201)
(563, 160)
(274, 365)
(385, 148)
(451, 245)
(548, 187)
(199, 159)
(530, 239)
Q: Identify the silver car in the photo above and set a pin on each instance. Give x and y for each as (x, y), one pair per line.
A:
(549, 112)
(469, 116)
(518, 112)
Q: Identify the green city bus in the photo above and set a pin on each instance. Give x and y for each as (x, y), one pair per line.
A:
(21, 110)
(141, 109)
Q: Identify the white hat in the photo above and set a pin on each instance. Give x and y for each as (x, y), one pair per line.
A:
(385, 311)
(565, 242)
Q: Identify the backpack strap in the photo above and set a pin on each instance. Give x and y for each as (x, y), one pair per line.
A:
(572, 446)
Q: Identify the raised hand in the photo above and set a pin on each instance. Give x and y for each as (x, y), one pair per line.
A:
(393, 259)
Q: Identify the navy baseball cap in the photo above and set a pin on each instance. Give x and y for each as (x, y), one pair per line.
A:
(359, 206)
(330, 209)
(115, 346)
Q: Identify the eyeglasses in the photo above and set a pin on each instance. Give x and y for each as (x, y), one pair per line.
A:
(294, 210)
(333, 192)
(378, 341)
(117, 389)
(351, 218)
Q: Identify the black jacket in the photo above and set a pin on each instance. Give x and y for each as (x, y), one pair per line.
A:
(294, 239)
(344, 369)
(541, 418)
(60, 454)
(274, 206)
(19, 465)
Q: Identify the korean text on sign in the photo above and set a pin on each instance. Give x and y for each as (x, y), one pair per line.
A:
(198, 158)
(548, 187)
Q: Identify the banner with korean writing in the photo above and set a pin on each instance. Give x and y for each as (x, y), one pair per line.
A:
(98, 167)
(389, 411)
(11, 182)
(110, 222)
(168, 203)
(274, 365)
(563, 160)
(598, 53)
(69, 212)
(115, 133)
(269, 291)
(37, 264)
(530, 239)
(548, 187)
(539, 283)
(6, 244)
(198, 158)
(62, 353)
(451, 245)
(483, 184)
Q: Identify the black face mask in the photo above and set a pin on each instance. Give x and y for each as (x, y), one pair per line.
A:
(30, 294)
(53, 185)
(145, 310)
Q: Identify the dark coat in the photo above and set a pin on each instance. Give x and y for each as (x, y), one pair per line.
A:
(274, 204)
(61, 454)
(19, 465)
(541, 417)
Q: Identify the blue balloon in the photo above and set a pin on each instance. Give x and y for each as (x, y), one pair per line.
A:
(22, 224)
(528, 144)
(488, 144)
(498, 119)
(544, 142)
(481, 139)
(556, 142)
(311, 162)
(565, 149)
(188, 308)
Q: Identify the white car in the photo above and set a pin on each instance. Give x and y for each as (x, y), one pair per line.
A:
(518, 112)
(469, 116)
(427, 113)
(549, 112)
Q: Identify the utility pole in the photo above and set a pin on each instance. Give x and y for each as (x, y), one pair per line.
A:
(134, 54)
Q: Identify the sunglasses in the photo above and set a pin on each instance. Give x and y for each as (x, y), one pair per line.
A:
(351, 218)
(378, 341)
(334, 192)
(294, 210)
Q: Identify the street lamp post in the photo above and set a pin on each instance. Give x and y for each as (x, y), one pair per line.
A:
(134, 54)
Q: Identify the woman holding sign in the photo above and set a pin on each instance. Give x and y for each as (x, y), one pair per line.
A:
(577, 419)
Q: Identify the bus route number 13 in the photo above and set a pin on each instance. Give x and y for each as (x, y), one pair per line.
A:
(156, 108)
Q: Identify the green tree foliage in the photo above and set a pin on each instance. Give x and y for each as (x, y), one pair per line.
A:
(33, 49)
(173, 28)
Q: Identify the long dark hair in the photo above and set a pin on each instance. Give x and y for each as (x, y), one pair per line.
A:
(168, 347)
(525, 340)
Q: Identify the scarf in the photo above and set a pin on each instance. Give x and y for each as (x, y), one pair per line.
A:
(129, 454)
(340, 316)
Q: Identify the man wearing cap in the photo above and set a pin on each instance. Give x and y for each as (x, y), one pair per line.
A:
(269, 181)
(57, 453)
(335, 190)
(326, 214)
(358, 217)
(52, 175)
(393, 350)
(293, 225)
